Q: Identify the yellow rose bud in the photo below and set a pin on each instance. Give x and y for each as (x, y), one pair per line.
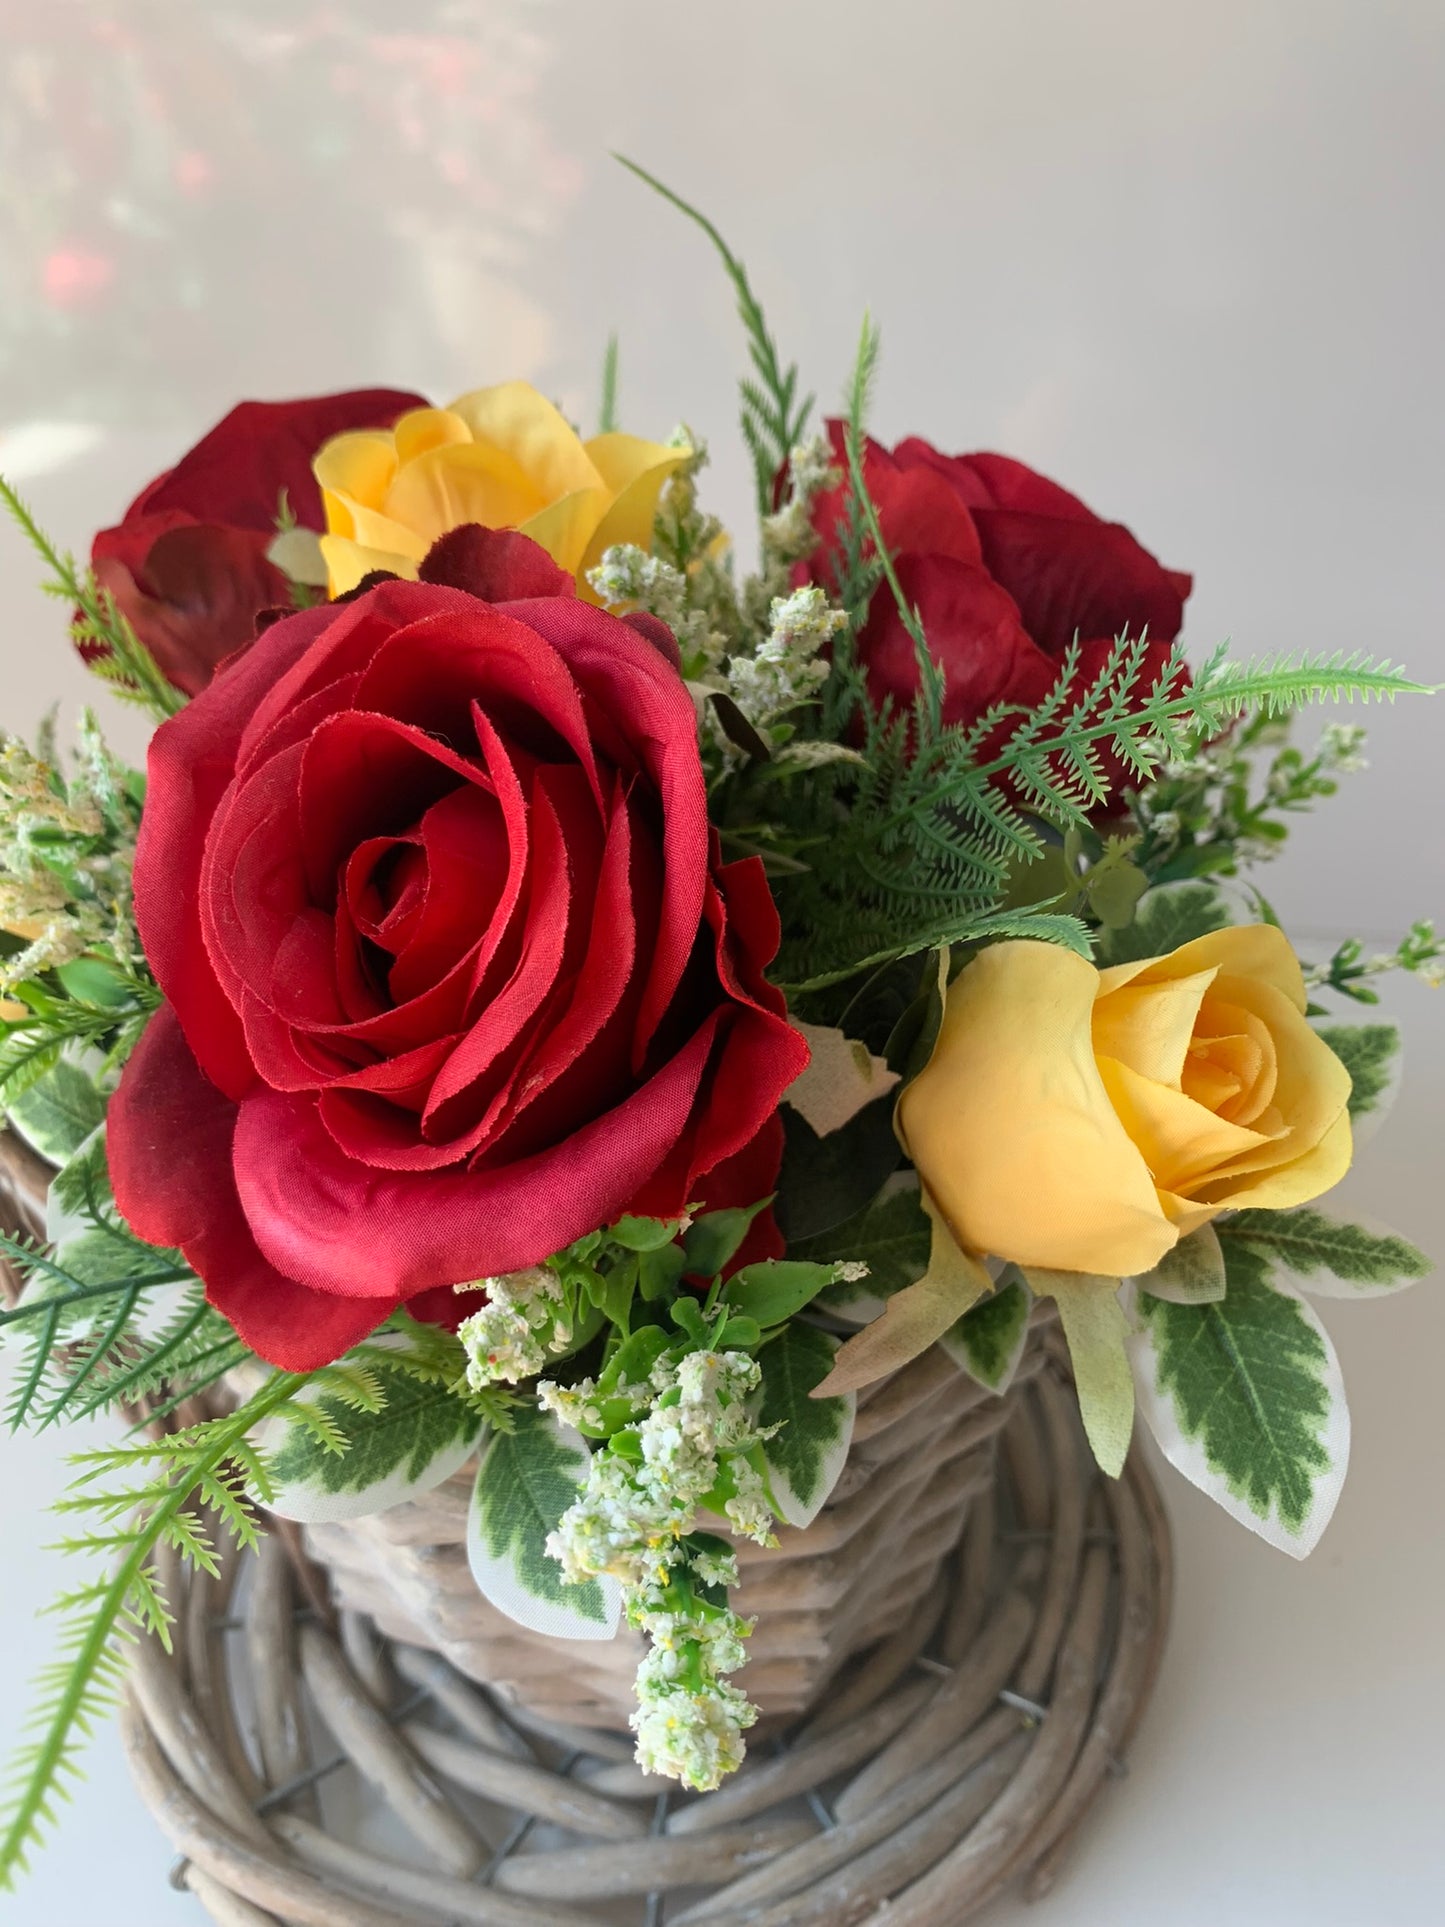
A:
(1077, 1119)
(503, 457)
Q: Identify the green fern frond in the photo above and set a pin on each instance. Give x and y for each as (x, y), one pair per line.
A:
(85, 1348)
(1289, 680)
(121, 659)
(101, 1619)
(773, 417)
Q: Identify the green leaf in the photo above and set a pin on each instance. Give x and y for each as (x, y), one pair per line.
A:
(644, 1234)
(823, 1178)
(988, 1341)
(1167, 916)
(1371, 1054)
(715, 1237)
(1096, 1330)
(892, 1237)
(1246, 1400)
(1326, 1256)
(95, 981)
(527, 1480)
(806, 1455)
(1191, 1274)
(776, 1288)
(58, 1111)
(348, 1462)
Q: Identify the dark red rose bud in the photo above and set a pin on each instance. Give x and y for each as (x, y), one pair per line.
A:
(187, 566)
(499, 565)
(1005, 568)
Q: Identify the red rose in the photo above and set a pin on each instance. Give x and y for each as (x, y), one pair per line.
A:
(187, 565)
(1005, 568)
(455, 974)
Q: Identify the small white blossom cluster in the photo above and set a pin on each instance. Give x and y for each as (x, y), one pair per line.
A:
(1341, 747)
(790, 666)
(689, 1719)
(788, 535)
(629, 1523)
(57, 890)
(524, 1323)
(629, 578)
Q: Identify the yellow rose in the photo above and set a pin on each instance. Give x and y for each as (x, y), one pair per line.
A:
(500, 456)
(1083, 1120)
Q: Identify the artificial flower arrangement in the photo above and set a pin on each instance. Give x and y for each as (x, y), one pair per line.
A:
(555, 999)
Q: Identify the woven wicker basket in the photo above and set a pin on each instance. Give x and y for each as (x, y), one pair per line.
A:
(992, 1624)
(922, 1447)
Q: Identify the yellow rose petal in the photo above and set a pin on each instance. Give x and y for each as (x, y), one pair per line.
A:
(1259, 952)
(565, 528)
(622, 459)
(1308, 1176)
(423, 429)
(1178, 1139)
(462, 482)
(1234, 1058)
(1312, 1086)
(347, 562)
(354, 470)
(1186, 1214)
(1148, 1026)
(514, 417)
(1012, 1129)
(631, 515)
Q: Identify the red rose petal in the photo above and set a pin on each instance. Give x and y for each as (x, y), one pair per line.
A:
(496, 565)
(327, 1218)
(191, 1202)
(1088, 579)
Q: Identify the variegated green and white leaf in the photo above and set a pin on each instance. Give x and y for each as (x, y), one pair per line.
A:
(1246, 1400)
(892, 1237)
(1327, 1257)
(988, 1341)
(59, 1111)
(420, 1435)
(807, 1453)
(1166, 916)
(1191, 1274)
(526, 1481)
(1371, 1054)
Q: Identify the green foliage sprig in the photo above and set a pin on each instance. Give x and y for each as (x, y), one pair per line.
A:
(925, 841)
(117, 655)
(1350, 968)
(774, 414)
(175, 1492)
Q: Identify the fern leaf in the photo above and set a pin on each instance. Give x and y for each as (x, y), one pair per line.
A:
(774, 420)
(81, 1684)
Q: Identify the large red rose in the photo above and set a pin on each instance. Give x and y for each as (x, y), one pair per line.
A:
(187, 564)
(1006, 569)
(455, 974)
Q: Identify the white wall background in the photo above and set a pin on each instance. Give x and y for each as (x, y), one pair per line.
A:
(1188, 260)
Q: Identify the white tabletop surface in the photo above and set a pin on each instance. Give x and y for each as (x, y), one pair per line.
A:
(1187, 260)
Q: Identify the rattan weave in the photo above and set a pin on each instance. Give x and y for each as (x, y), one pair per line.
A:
(981, 1688)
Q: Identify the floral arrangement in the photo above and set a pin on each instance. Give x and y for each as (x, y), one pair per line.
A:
(557, 998)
